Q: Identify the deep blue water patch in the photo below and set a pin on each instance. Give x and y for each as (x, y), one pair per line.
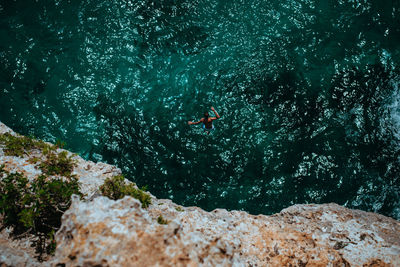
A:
(308, 92)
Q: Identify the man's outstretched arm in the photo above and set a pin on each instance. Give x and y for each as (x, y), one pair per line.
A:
(215, 112)
(195, 122)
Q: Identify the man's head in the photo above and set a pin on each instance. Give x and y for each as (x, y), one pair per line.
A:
(206, 114)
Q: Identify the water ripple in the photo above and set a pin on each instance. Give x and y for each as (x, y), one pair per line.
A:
(307, 90)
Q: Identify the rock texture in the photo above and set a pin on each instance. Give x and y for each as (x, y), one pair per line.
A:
(121, 233)
(98, 231)
(15, 257)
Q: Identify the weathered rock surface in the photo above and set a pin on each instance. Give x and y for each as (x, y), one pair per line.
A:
(16, 252)
(10, 256)
(121, 233)
(98, 231)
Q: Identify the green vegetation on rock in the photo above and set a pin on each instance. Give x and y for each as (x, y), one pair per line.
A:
(179, 209)
(35, 208)
(116, 188)
(20, 145)
(161, 220)
(55, 163)
(58, 164)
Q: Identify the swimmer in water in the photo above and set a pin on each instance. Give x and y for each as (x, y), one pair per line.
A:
(207, 121)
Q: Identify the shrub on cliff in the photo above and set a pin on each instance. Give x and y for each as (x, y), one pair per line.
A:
(57, 163)
(20, 145)
(116, 188)
(36, 207)
(54, 163)
(17, 145)
(13, 188)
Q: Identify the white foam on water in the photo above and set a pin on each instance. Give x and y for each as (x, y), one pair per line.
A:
(394, 110)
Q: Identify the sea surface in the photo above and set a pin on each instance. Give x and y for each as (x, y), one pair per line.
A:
(308, 93)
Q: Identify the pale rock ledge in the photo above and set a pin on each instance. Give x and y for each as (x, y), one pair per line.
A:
(98, 231)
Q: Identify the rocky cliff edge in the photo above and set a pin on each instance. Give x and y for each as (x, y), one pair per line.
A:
(97, 231)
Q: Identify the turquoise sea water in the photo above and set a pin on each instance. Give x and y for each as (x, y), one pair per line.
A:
(308, 92)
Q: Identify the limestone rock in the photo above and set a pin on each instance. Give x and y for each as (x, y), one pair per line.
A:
(120, 233)
(11, 255)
